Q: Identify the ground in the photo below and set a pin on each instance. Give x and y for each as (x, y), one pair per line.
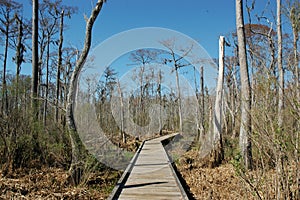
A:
(211, 183)
(221, 182)
(52, 183)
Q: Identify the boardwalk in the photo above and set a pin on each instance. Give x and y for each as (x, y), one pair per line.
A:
(150, 175)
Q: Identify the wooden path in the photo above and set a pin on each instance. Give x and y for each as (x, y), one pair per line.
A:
(150, 175)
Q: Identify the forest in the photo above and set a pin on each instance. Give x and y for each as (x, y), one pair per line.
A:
(244, 127)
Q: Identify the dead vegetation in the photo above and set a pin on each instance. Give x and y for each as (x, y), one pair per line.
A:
(53, 183)
(228, 181)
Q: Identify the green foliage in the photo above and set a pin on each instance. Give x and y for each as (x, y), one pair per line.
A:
(29, 143)
(237, 162)
(230, 148)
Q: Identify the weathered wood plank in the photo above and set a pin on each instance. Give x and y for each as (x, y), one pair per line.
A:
(151, 176)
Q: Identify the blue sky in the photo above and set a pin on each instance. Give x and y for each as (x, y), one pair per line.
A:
(202, 20)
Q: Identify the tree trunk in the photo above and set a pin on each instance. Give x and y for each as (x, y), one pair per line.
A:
(4, 89)
(245, 129)
(160, 102)
(201, 104)
(122, 131)
(279, 157)
(280, 68)
(19, 58)
(179, 99)
(296, 64)
(197, 111)
(78, 151)
(216, 152)
(47, 81)
(59, 65)
(296, 60)
(217, 119)
(35, 64)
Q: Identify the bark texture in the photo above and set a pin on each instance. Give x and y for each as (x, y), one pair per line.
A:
(280, 67)
(35, 57)
(245, 129)
(79, 153)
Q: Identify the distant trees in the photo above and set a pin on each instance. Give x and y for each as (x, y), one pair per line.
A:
(141, 58)
(177, 62)
(105, 89)
(26, 100)
(9, 10)
(20, 51)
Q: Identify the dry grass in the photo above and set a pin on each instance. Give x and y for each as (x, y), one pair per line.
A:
(225, 182)
(52, 183)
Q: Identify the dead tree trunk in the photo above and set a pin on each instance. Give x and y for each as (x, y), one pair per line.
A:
(19, 57)
(295, 27)
(4, 87)
(47, 81)
(59, 65)
(212, 149)
(197, 111)
(201, 104)
(281, 178)
(179, 99)
(35, 57)
(245, 129)
(79, 153)
(280, 68)
(122, 128)
(218, 152)
(160, 102)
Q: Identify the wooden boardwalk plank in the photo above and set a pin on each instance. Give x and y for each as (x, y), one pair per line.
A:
(152, 176)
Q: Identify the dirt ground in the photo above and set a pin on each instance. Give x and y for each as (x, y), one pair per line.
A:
(207, 183)
(225, 182)
(202, 183)
(52, 183)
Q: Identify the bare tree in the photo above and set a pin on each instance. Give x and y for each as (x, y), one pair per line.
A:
(19, 56)
(279, 157)
(48, 28)
(122, 128)
(280, 67)
(159, 93)
(212, 149)
(217, 119)
(245, 129)
(294, 16)
(7, 10)
(78, 151)
(35, 64)
(142, 57)
(59, 62)
(18, 34)
(201, 96)
(52, 14)
(177, 62)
